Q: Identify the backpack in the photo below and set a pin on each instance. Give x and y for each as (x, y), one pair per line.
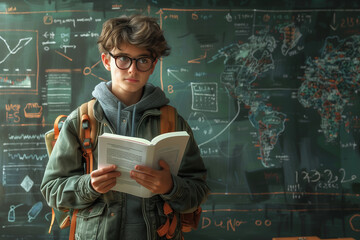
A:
(88, 136)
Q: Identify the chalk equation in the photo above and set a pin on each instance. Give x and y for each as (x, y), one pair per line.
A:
(319, 180)
(324, 176)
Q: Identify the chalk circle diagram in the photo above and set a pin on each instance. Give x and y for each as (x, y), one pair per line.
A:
(89, 71)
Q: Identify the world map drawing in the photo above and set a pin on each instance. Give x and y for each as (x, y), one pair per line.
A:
(331, 80)
(329, 83)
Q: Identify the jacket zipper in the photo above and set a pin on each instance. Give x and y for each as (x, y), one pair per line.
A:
(143, 209)
(146, 220)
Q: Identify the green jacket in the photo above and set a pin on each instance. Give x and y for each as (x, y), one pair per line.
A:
(100, 216)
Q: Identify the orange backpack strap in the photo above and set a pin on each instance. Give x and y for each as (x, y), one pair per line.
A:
(88, 132)
(188, 220)
(167, 119)
(88, 109)
(168, 228)
(52, 219)
(88, 137)
(73, 225)
(168, 124)
(57, 127)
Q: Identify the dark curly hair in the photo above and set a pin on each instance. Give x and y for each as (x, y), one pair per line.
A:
(138, 30)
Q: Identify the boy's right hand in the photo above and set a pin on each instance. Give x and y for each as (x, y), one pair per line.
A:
(103, 179)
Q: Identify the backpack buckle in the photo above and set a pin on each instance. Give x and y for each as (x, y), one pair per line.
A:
(85, 124)
(87, 143)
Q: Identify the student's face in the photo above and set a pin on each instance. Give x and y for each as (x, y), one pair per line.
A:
(128, 83)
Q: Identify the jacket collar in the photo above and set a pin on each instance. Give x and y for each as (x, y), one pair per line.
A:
(100, 115)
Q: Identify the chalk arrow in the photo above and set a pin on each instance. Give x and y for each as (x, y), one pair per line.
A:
(171, 72)
(197, 60)
(333, 26)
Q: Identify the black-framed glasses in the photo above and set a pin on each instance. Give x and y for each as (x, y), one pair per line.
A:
(143, 64)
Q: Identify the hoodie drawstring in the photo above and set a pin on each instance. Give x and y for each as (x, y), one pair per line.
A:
(133, 122)
(118, 119)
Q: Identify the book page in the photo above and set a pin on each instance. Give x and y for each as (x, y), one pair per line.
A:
(127, 152)
(125, 155)
(167, 136)
(116, 137)
(171, 150)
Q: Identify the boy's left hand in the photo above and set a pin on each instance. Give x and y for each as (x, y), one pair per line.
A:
(157, 181)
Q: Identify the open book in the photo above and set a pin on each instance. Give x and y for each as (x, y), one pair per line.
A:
(126, 152)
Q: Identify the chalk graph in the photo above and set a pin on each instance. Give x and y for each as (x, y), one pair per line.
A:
(6, 51)
(19, 61)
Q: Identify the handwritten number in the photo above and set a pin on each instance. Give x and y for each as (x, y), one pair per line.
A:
(315, 176)
(316, 173)
(353, 177)
(342, 23)
(171, 89)
(306, 176)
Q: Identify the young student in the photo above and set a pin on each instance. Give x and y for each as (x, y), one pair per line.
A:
(130, 48)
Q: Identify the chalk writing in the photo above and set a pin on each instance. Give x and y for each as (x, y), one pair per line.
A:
(87, 35)
(228, 224)
(327, 175)
(71, 21)
(321, 179)
(12, 113)
(209, 152)
(352, 145)
(231, 224)
(26, 137)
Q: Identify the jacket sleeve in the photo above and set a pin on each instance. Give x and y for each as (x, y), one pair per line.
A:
(190, 189)
(64, 184)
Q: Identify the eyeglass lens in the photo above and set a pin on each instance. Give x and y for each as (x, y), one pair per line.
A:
(142, 64)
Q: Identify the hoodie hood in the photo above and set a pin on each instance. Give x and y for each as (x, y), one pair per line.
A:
(117, 112)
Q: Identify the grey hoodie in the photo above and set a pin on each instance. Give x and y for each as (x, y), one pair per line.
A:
(118, 113)
(123, 120)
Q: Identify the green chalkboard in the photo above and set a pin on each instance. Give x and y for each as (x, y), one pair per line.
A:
(270, 89)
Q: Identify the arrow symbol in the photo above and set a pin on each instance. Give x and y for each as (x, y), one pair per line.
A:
(197, 60)
(171, 72)
(333, 26)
